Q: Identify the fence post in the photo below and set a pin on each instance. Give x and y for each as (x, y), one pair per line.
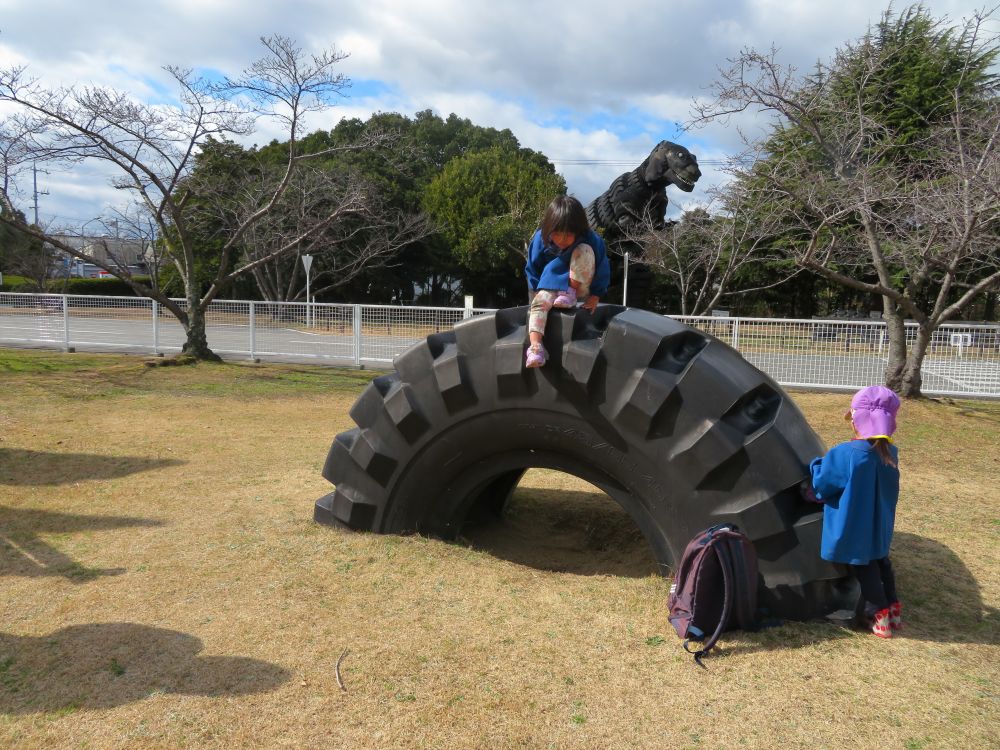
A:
(253, 331)
(736, 334)
(357, 335)
(65, 316)
(156, 328)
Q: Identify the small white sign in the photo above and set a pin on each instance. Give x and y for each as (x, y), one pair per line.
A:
(307, 261)
(961, 339)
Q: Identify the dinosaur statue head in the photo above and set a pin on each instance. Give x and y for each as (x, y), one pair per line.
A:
(671, 164)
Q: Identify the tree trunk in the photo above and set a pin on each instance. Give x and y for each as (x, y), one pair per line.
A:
(196, 344)
(895, 328)
(911, 380)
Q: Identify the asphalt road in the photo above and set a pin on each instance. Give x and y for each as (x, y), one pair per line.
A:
(234, 340)
(952, 376)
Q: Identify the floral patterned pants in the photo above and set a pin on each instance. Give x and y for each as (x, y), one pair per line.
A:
(581, 270)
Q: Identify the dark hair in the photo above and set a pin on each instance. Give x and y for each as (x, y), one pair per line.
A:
(881, 446)
(565, 214)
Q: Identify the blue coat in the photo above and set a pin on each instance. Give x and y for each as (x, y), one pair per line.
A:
(548, 266)
(859, 493)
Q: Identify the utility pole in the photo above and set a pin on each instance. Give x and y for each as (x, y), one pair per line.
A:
(34, 179)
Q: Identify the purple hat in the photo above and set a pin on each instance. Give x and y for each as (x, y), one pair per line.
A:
(873, 411)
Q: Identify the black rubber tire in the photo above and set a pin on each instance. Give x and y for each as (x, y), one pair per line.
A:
(669, 421)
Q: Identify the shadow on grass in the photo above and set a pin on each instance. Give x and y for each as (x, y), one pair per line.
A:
(102, 665)
(20, 467)
(587, 533)
(23, 553)
(584, 533)
(941, 599)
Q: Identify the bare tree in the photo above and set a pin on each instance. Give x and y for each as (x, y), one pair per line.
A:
(153, 149)
(135, 223)
(14, 154)
(367, 234)
(705, 255)
(913, 220)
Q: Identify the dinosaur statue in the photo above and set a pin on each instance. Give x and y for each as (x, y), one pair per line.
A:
(643, 191)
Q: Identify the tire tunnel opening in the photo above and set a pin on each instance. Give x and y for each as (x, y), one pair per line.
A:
(676, 428)
(559, 522)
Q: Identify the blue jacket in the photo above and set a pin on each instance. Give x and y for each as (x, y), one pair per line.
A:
(548, 266)
(859, 493)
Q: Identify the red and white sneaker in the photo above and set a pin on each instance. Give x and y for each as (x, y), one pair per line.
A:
(565, 299)
(896, 616)
(880, 624)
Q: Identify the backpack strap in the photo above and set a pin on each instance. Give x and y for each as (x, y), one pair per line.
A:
(725, 562)
(744, 615)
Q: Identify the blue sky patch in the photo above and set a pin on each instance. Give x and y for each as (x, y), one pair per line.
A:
(162, 90)
(362, 88)
(211, 75)
(628, 124)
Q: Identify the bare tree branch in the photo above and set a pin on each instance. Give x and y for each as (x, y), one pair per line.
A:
(154, 150)
(910, 219)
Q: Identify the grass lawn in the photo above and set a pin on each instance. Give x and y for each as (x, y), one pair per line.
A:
(162, 584)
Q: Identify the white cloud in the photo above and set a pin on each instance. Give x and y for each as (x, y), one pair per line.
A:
(580, 81)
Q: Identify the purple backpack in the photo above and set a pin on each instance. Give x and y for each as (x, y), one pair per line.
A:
(715, 588)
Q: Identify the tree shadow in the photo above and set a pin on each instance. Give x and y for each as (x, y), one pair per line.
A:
(566, 531)
(103, 665)
(23, 553)
(20, 467)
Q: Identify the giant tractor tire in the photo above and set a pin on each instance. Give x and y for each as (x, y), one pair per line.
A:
(670, 422)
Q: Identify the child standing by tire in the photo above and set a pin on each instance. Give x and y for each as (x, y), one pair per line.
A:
(567, 261)
(858, 483)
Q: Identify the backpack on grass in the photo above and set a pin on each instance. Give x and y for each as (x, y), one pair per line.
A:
(715, 588)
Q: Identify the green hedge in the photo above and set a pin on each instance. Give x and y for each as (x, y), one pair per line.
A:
(12, 283)
(99, 287)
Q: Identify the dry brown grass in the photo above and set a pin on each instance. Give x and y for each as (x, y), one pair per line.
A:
(163, 585)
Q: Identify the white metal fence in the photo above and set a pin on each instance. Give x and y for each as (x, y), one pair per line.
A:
(963, 360)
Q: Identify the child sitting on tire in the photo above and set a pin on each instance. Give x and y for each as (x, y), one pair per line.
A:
(567, 262)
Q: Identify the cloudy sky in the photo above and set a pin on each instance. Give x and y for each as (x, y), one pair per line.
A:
(600, 82)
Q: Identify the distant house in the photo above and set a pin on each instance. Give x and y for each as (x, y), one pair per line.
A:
(116, 252)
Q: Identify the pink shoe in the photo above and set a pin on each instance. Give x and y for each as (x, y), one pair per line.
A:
(565, 299)
(880, 624)
(896, 616)
(536, 356)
